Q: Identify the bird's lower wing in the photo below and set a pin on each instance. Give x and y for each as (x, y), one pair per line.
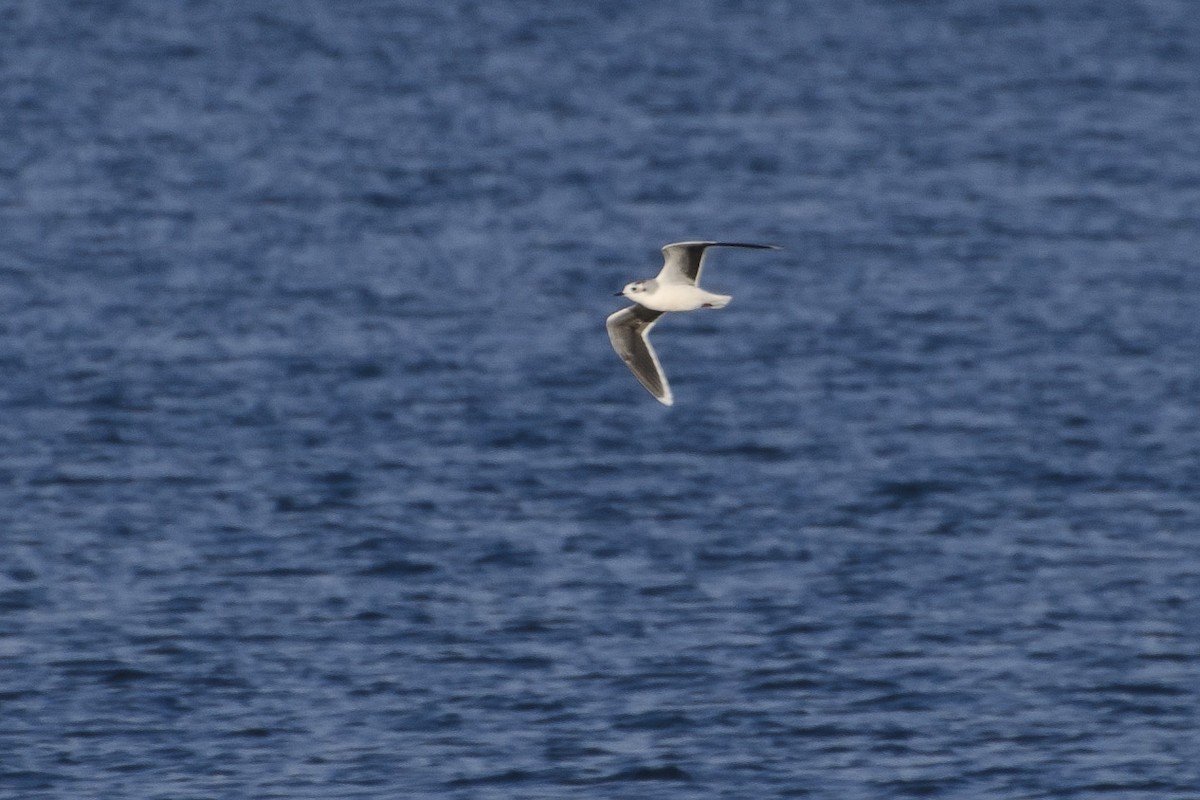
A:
(628, 330)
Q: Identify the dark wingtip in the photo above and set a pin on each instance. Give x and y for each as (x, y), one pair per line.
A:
(750, 245)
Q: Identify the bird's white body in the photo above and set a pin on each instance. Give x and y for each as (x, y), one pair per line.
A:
(665, 296)
(673, 289)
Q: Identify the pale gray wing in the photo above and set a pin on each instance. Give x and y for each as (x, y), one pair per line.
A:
(682, 261)
(628, 330)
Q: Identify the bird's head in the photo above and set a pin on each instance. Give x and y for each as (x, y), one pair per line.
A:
(636, 289)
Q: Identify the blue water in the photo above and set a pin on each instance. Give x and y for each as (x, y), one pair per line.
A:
(320, 479)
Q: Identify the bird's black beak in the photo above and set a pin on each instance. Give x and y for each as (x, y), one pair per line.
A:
(618, 294)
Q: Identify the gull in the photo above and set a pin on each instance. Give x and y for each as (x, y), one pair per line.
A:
(673, 289)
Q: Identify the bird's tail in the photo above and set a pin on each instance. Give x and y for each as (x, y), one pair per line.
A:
(717, 300)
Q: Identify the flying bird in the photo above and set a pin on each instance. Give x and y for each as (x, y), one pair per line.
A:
(675, 288)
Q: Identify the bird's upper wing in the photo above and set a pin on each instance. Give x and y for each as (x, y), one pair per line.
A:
(682, 261)
(628, 330)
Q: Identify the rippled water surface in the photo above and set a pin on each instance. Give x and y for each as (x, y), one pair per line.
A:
(319, 477)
